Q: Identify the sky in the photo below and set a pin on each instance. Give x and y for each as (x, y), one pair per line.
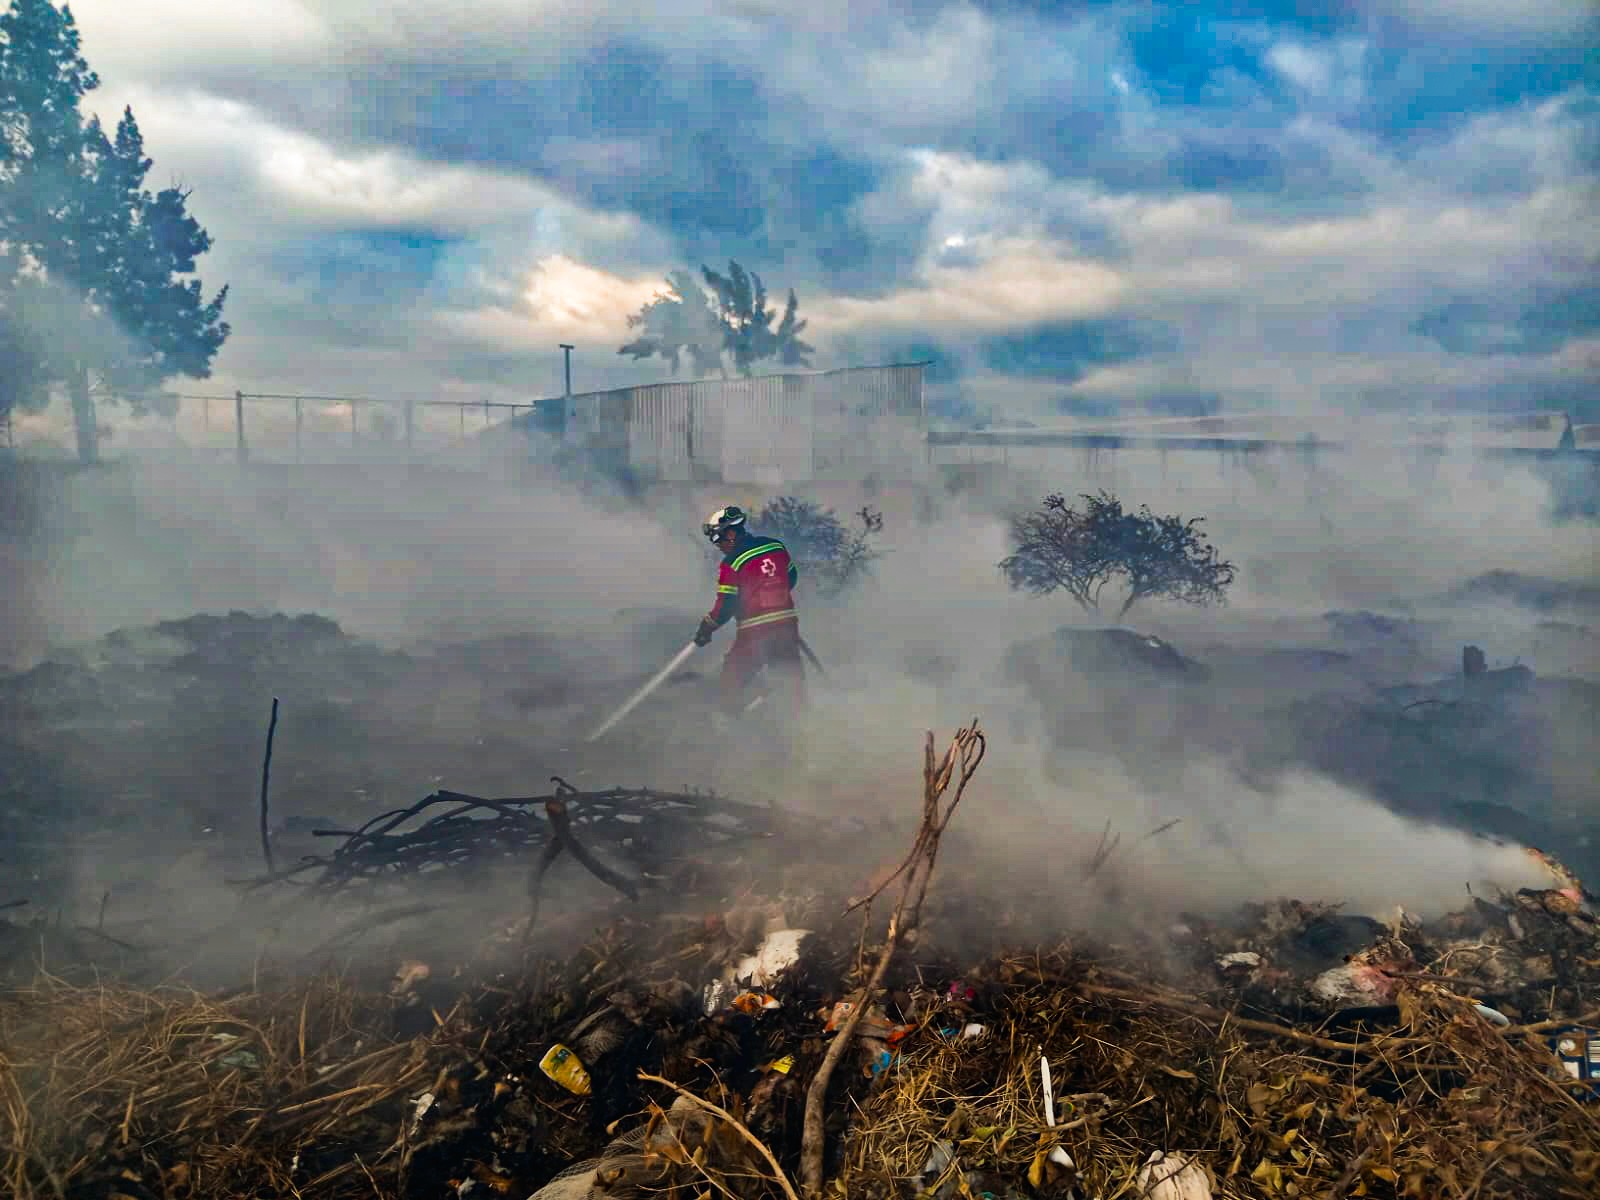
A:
(1070, 207)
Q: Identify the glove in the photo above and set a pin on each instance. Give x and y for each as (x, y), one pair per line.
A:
(702, 636)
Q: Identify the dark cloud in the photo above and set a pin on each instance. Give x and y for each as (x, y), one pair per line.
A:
(363, 267)
(1066, 352)
(1185, 404)
(1542, 325)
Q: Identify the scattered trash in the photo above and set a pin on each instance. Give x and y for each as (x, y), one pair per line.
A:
(1577, 1049)
(755, 1003)
(838, 1015)
(240, 1060)
(1050, 1072)
(1048, 1089)
(715, 997)
(235, 1060)
(409, 975)
(1240, 960)
(779, 951)
(1493, 1015)
(879, 1058)
(1354, 984)
(562, 1066)
(1172, 1177)
(419, 1109)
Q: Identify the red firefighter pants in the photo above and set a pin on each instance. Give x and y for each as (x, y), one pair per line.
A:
(775, 647)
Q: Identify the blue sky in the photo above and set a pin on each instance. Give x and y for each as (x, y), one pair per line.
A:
(1077, 207)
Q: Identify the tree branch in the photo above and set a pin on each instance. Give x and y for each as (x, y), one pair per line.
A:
(969, 746)
(735, 1124)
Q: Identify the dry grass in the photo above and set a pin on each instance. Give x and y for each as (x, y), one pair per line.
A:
(303, 1093)
(1449, 1108)
(209, 1096)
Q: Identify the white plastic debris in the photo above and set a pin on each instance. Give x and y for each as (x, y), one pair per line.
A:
(1493, 1015)
(1172, 1177)
(973, 1032)
(1048, 1090)
(1354, 984)
(940, 1157)
(1240, 959)
(1062, 1159)
(419, 1109)
(407, 976)
(715, 997)
(777, 953)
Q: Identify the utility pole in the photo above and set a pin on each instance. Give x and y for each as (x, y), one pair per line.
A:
(566, 404)
(238, 426)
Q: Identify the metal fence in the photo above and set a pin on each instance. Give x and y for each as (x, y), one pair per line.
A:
(276, 424)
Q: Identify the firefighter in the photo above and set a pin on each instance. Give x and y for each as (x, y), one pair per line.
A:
(755, 586)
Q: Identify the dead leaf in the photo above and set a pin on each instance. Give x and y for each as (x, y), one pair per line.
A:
(1269, 1176)
(1036, 1169)
(1259, 1097)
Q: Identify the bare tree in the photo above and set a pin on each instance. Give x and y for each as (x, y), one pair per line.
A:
(1060, 548)
(829, 553)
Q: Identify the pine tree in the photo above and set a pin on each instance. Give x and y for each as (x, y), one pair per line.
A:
(94, 281)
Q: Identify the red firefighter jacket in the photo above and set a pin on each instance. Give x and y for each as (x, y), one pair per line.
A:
(755, 584)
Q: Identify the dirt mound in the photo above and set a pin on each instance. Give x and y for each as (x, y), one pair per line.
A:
(1120, 654)
(155, 734)
(1528, 591)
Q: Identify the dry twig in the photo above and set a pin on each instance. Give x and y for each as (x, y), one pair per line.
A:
(966, 750)
(736, 1125)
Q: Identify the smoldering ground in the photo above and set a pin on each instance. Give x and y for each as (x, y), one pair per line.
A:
(529, 605)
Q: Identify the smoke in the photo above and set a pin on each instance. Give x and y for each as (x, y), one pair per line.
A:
(463, 551)
(1035, 817)
(601, 586)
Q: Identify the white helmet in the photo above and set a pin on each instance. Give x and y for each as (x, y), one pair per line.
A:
(724, 519)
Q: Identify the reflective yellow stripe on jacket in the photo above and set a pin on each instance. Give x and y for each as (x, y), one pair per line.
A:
(764, 548)
(770, 618)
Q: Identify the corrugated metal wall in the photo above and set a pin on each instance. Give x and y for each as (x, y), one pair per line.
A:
(828, 425)
(866, 421)
(766, 429)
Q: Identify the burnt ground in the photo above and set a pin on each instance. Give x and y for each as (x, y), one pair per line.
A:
(1508, 754)
(130, 771)
(144, 748)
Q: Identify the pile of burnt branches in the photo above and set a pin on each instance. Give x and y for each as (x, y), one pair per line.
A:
(447, 831)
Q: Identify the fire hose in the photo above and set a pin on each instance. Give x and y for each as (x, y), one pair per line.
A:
(661, 676)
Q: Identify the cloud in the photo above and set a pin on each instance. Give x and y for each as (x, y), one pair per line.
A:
(561, 299)
(311, 182)
(124, 41)
(1330, 76)
(1489, 17)
(1297, 196)
(1019, 282)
